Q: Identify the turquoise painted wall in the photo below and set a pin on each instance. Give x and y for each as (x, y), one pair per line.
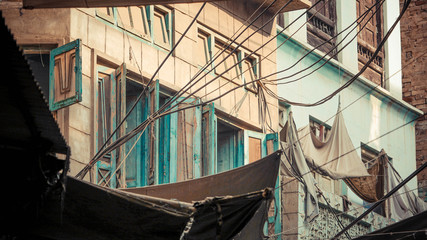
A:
(368, 118)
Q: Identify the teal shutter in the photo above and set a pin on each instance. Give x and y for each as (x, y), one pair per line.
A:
(65, 75)
(134, 145)
(166, 133)
(209, 140)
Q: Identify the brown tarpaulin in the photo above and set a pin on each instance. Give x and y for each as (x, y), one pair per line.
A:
(371, 188)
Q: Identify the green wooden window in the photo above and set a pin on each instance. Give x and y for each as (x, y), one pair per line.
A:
(65, 75)
(133, 164)
(111, 109)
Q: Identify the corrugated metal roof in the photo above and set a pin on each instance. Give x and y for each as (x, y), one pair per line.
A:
(25, 117)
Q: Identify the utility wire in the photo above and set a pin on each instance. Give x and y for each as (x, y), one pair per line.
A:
(150, 119)
(94, 159)
(83, 172)
(173, 110)
(362, 16)
(327, 98)
(345, 213)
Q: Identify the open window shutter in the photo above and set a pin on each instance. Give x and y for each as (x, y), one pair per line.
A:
(104, 95)
(188, 138)
(134, 149)
(120, 76)
(209, 140)
(152, 132)
(65, 76)
(167, 150)
(111, 110)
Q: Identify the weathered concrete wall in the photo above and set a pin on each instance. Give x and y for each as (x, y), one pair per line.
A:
(414, 60)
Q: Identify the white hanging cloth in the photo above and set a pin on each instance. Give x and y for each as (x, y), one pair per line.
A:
(296, 164)
(336, 157)
(404, 203)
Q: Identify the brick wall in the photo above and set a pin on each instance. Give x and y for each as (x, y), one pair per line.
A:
(414, 63)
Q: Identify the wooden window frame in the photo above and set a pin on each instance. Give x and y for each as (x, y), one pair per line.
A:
(323, 127)
(77, 97)
(147, 13)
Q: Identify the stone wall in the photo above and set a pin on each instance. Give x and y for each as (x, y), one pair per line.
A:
(414, 59)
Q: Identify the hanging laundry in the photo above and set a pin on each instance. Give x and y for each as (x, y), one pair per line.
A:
(295, 163)
(335, 157)
(404, 203)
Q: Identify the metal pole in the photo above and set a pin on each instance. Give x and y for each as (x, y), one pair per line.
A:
(382, 200)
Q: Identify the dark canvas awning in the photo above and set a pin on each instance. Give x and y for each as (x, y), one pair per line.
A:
(94, 212)
(414, 227)
(234, 207)
(249, 178)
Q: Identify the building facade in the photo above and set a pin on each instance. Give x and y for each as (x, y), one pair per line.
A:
(93, 63)
(374, 113)
(413, 72)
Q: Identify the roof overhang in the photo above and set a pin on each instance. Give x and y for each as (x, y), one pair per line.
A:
(30, 4)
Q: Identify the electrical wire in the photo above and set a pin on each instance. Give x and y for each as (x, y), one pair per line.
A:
(152, 118)
(83, 172)
(362, 16)
(346, 85)
(345, 213)
(104, 150)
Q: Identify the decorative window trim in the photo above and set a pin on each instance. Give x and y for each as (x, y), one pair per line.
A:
(131, 28)
(254, 62)
(166, 19)
(210, 38)
(219, 40)
(109, 18)
(147, 13)
(78, 76)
